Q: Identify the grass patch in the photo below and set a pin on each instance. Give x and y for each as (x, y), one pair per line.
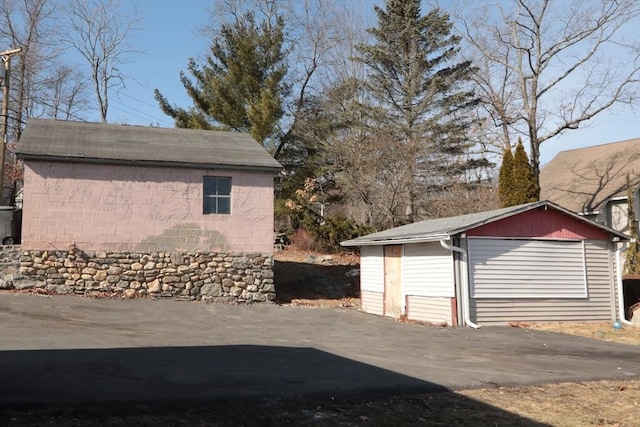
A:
(601, 403)
(599, 330)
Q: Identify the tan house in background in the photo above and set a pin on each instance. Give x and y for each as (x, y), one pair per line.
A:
(592, 181)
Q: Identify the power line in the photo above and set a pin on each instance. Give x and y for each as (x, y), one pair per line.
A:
(148, 116)
(66, 113)
(137, 99)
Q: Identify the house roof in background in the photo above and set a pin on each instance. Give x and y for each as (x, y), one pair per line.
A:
(583, 179)
(56, 140)
(443, 228)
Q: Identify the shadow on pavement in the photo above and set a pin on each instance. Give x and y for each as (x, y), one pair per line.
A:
(196, 377)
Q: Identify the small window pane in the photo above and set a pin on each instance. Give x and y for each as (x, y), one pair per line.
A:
(224, 186)
(210, 187)
(224, 205)
(209, 205)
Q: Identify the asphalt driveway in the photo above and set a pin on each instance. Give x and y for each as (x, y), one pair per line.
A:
(63, 349)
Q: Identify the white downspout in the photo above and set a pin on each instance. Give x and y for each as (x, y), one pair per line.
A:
(464, 285)
(621, 316)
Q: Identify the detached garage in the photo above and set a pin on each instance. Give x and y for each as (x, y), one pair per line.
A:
(536, 262)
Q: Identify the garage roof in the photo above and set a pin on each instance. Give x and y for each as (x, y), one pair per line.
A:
(57, 140)
(444, 228)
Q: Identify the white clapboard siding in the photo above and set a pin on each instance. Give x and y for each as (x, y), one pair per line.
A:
(512, 268)
(429, 309)
(428, 270)
(598, 305)
(372, 302)
(372, 269)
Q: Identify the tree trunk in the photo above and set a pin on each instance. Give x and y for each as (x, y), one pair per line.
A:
(535, 160)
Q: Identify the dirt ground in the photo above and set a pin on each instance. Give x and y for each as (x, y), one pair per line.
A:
(305, 278)
(314, 279)
(600, 403)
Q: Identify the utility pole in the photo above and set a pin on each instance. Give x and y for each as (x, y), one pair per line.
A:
(5, 75)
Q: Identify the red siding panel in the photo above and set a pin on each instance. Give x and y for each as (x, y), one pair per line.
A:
(541, 223)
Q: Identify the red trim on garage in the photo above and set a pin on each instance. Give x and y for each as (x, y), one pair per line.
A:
(540, 223)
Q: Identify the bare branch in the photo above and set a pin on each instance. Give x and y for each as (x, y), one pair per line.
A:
(541, 54)
(99, 32)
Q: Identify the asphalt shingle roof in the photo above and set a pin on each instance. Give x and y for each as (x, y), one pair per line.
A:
(443, 228)
(114, 143)
(583, 179)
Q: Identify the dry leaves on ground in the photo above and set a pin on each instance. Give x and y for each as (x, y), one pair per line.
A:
(599, 330)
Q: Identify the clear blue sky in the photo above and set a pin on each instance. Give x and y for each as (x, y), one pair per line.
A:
(169, 37)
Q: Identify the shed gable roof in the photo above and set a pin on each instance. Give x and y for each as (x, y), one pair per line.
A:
(444, 228)
(583, 179)
(112, 143)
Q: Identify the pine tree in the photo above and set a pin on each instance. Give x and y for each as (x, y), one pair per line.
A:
(418, 94)
(632, 263)
(516, 182)
(505, 179)
(240, 86)
(524, 188)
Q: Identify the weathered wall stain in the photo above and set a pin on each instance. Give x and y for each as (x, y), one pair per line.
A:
(184, 237)
(116, 207)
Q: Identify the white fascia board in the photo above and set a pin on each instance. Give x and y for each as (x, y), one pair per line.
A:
(596, 212)
(399, 241)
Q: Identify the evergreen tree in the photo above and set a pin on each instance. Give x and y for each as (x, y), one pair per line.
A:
(240, 87)
(524, 186)
(418, 94)
(632, 263)
(516, 182)
(505, 179)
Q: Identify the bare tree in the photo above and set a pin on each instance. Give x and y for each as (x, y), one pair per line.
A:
(65, 95)
(372, 172)
(29, 25)
(99, 31)
(547, 67)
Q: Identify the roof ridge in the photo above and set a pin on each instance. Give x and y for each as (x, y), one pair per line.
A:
(92, 142)
(445, 228)
(596, 146)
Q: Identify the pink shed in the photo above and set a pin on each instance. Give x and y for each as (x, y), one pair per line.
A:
(132, 188)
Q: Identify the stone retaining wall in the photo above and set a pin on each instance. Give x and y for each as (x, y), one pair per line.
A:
(223, 277)
(9, 255)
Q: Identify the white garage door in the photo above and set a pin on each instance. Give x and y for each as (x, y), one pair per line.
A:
(524, 268)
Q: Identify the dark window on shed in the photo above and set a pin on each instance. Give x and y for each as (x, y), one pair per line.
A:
(216, 195)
